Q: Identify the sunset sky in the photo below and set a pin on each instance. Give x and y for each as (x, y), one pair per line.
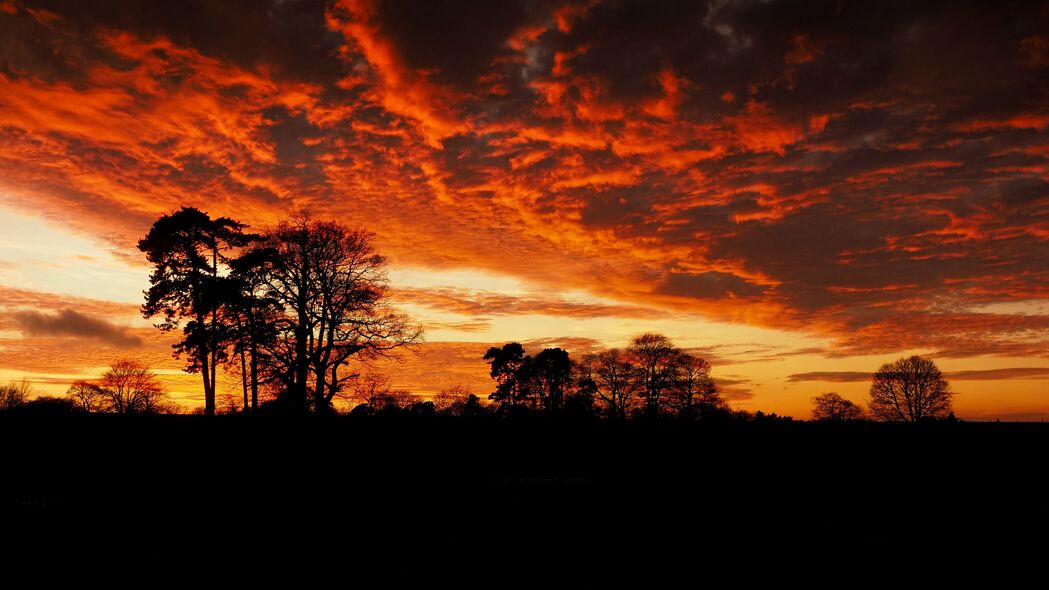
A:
(796, 191)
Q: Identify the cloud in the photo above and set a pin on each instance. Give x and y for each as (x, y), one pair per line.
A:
(863, 184)
(70, 323)
(478, 325)
(971, 375)
(1000, 374)
(481, 303)
(831, 376)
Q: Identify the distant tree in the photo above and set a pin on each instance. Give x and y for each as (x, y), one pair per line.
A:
(229, 404)
(832, 407)
(332, 289)
(188, 250)
(910, 389)
(469, 407)
(399, 399)
(422, 408)
(616, 381)
(509, 367)
(15, 394)
(692, 392)
(445, 399)
(50, 405)
(655, 356)
(88, 396)
(367, 388)
(550, 373)
(131, 388)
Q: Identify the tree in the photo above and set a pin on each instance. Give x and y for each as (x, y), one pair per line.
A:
(615, 380)
(550, 374)
(445, 399)
(508, 368)
(252, 313)
(910, 389)
(370, 388)
(331, 289)
(692, 392)
(131, 388)
(655, 356)
(88, 396)
(187, 249)
(15, 394)
(832, 407)
(50, 405)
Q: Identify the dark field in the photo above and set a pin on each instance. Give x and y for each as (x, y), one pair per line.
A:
(501, 489)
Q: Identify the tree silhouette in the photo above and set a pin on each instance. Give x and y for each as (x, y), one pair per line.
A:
(507, 366)
(252, 313)
(910, 389)
(88, 396)
(131, 388)
(550, 373)
(331, 288)
(692, 392)
(655, 356)
(445, 399)
(832, 407)
(14, 394)
(368, 388)
(616, 381)
(187, 249)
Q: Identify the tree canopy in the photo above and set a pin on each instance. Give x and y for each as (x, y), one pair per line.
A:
(910, 389)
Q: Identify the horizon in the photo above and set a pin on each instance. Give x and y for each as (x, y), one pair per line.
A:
(796, 192)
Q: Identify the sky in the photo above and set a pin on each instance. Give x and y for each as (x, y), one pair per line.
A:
(796, 191)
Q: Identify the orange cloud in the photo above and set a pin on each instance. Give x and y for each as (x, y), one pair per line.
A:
(660, 167)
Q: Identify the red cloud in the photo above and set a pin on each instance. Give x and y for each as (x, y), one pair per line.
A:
(856, 202)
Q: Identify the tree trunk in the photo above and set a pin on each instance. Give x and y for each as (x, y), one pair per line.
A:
(244, 378)
(209, 386)
(254, 378)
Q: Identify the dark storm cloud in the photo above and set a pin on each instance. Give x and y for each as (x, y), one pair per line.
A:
(706, 285)
(289, 35)
(70, 323)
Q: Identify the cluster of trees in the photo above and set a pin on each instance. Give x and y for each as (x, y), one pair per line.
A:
(127, 387)
(14, 395)
(293, 306)
(651, 377)
(910, 389)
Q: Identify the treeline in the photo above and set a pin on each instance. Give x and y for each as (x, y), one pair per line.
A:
(650, 378)
(301, 307)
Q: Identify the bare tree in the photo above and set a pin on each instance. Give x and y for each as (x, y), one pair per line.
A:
(371, 388)
(229, 404)
(131, 388)
(910, 389)
(88, 396)
(332, 289)
(655, 355)
(692, 391)
(832, 407)
(14, 394)
(616, 380)
(445, 399)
